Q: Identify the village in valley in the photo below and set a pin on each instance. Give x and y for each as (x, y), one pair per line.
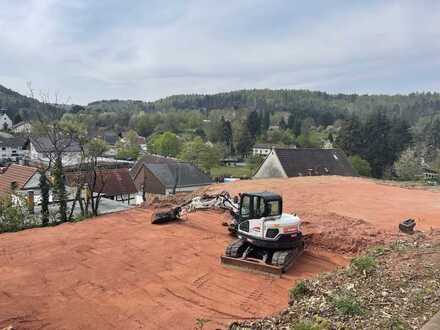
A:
(237, 165)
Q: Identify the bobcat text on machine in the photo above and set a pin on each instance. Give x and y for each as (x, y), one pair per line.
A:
(268, 240)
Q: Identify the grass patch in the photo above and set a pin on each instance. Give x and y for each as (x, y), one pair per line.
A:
(364, 264)
(232, 171)
(299, 290)
(347, 305)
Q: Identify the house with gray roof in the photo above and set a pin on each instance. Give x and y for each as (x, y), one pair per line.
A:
(12, 148)
(163, 175)
(286, 163)
(42, 150)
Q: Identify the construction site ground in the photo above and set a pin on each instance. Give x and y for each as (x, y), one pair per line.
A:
(119, 271)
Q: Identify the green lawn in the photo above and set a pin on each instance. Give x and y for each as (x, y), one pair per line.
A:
(232, 171)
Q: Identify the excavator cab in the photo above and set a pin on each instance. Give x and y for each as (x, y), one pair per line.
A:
(259, 205)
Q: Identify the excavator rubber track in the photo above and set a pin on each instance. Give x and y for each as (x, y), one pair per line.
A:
(281, 260)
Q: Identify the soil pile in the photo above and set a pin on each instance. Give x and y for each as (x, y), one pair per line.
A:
(392, 287)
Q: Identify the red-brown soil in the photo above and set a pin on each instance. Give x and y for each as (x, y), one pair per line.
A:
(349, 214)
(119, 271)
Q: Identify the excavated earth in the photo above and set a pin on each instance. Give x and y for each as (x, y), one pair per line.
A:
(119, 271)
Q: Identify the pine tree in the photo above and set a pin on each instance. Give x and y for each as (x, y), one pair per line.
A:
(253, 124)
(59, 188)
(266, 121)
(44, 187)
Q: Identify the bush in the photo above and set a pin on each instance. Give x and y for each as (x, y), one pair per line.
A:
(364, 264)
(347, 305)
(360, 165)
(408, 167)
(299, 290)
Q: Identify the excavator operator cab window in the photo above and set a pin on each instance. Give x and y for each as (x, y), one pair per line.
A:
(273, 208)
(245, 207)
(255, 207)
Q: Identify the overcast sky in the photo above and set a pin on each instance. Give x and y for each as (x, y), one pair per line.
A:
(90, 50)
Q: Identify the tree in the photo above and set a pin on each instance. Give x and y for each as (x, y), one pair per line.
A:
(265, 123)
(59, 188)
(244, 142)
(56, 137)
(408, 167)
(360, 165)
(227, 135)
(96, 177)
(17, 118)
(378, 148)
(282, 124)
(166, 144)
(128, 147)
(45, 189)
(294, 123)
(200, 154)
(253, 124)
(350, 137)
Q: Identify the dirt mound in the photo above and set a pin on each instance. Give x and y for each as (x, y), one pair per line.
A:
(343, 234)
(347, 215)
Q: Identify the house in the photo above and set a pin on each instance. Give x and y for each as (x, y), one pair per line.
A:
(160, 175)
(41, 150)
(19, 179)
(5, 121)
(264, 149)
(13, 148)
(165, 179)
(22, 128)
(284, 163)
(112, 183)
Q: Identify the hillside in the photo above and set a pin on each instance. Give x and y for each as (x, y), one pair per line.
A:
(16, 103)
(314, 103)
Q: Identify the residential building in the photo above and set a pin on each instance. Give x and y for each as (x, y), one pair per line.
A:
(162, 175)
(112, 183)
(5, 121)
(13, 148)
(41, 150)
(283, 163)
(22, 128)
(264, 149)
(166, 179)
(19, 179)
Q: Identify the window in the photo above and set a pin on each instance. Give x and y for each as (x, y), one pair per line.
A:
(273, 208)
(245, 211)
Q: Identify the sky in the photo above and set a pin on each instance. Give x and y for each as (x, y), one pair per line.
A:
(86, 50)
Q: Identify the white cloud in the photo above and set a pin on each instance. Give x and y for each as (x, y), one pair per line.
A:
(207, 46)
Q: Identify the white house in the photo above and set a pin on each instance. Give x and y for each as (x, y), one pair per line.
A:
(261, 149)
(13, 149)
(41, 150)
(5, 121)
(265, 149)
(22, 128)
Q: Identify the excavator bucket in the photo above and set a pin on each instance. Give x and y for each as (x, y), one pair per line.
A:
(164, 216)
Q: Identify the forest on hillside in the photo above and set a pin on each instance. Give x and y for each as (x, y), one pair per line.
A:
(385, 135)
